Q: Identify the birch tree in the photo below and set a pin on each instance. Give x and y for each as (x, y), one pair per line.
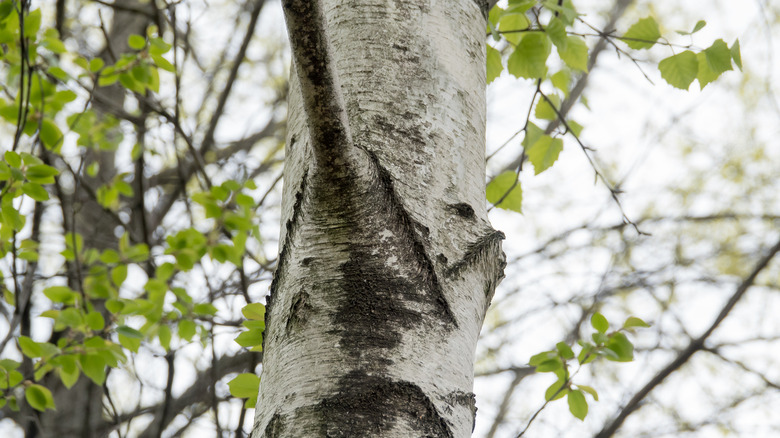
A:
(130, 244)
(387, 262)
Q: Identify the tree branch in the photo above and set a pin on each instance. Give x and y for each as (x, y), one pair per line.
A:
(694, 346)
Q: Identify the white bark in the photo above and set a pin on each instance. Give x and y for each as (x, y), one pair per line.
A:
(388, 262)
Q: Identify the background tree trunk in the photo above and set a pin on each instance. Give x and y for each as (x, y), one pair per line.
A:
(388, 262)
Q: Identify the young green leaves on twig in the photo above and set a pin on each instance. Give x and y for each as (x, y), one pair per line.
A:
(522, 37)
(614, 346)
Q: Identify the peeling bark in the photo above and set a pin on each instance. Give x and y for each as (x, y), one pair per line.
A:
(387, 263)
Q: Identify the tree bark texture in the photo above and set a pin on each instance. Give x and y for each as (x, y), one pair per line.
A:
(387, 261)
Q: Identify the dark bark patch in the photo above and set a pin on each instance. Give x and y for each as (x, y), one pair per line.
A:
(463, 210)
(275, 427)
(373, 313)
(307, 261)
(366, 405)
(299, 311)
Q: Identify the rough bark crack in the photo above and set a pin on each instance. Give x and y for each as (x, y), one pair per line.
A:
(291, 227)
(367, 405)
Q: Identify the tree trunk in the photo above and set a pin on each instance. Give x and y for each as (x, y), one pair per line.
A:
(387, 261)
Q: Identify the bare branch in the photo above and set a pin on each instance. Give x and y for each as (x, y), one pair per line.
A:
(694, 346)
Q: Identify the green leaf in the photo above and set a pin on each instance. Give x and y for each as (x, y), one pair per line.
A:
(69, 371)
(565, 11)
(633, 321)
(575, 53)
(530, 56)
(532, 134)
(140, 74)
(131, 344)
(32, 23)
(713, 61)
(114, 306)
(575, 128)
(554, 391)
(564, 350)
(699, 26)
(29, 347)
(556, 30)
(643, 34)
(186, 329)
(254, 311)
(590, 391)
(544, 153)
(549, 365)
(60, 294)
(245, 385)
(154, 79)
(545, 111)
(250, 338)
(680, 70)
(136, 42)
(54, 44)
(204, 309)
(505, 192)
(599, 322)
(30, 159)
(158, 46)
(108, 79)
(41, 174)
(58, 73)
(39, 397)
(94, 367)
(624, 349)
(164, 272)
(129, 332)
(35, 191)
(13, 159)
(736, 55)
(492, 23)
(578, 406)
(164, 334)
(544, 356)
(561, 81)
(520, 5)
(512, 22)
(494, 65)
(6, 7)
(96, 64)
(119, 274)
(95, 321)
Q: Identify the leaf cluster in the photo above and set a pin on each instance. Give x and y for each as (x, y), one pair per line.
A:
(613, 346)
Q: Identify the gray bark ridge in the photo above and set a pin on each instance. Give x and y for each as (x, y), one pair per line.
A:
(387, 261)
